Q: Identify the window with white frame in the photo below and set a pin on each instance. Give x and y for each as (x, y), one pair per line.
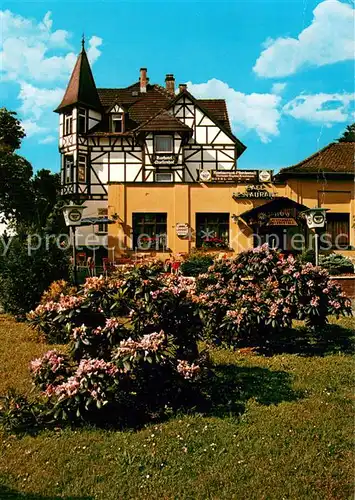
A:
(164, 177)
(82, 168)
(117, 122)
(68, 169)
(163, 144)
(68, 123)
(82, 113)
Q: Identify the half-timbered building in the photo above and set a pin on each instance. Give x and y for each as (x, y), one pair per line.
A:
(163, 166)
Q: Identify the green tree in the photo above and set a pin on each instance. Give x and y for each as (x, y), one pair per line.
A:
(15, 171)
(31, 204)
(11, 131)
(348, 134)
(26, 200)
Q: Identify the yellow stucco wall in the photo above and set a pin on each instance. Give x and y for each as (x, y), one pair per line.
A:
(181, 202)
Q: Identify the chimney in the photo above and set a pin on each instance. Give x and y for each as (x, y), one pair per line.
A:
(182, 87)
(170, 83)
(143, 80)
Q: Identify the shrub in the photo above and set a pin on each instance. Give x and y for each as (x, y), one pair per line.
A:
(120, 370)
(336, 264)
(18, 414)
(196, 263)
(170, 307)
(307, 256)
(24, 277)
(56, 290)
(259, 292)
(141, 379)
(52, 368)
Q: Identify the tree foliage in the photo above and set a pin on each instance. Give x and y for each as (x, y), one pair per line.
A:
(348, 134)
(11, 131)
(27, 200)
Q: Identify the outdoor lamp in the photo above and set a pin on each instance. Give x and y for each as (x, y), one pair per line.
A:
(316, 219)
(73, 215)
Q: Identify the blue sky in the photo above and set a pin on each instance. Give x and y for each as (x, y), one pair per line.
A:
(285, 68)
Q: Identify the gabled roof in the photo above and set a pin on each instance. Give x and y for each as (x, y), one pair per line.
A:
(139, 104)
(336, 158)
(81, 88)
(218, 109)
(165, 122)
(198, 102)
(142, 107)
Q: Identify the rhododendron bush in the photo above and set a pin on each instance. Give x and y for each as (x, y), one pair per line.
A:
(140, 378)
(132, 352)
(260, 292)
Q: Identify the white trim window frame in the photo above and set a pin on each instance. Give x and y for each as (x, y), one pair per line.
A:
(117, 118)
(82, 168)
(82, 121)
(159, 177)
(166, 144)
(68, 169)
(68, 123)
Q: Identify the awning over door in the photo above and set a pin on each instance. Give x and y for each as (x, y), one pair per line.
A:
(281, 211)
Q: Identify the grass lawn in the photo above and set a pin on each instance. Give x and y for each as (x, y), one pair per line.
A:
(282, 428)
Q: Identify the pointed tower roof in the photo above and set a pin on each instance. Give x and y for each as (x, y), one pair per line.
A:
(81, 88)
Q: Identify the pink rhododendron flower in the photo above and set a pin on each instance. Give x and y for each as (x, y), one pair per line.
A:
(187, 370)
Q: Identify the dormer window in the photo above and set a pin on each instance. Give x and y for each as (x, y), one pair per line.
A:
(82, 120)
(68, 123)
(117, 122)
(163, 144)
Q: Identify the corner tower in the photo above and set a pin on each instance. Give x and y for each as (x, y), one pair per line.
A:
(79, 111)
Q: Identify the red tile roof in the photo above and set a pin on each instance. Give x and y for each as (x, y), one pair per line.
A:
(141, 107)
(218, 109)
(337, 157)
(165, 122)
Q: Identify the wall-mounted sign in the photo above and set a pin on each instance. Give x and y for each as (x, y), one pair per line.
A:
(235, 176)
(265, 175)
(164, 159)
(205, 175)
(257, 191)
(182, 230)
(229, 176)
(282, 221)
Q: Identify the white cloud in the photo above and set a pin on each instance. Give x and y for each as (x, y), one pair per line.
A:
(328, 39)
(278, 88)
(321, 108)
(25, 47)
(93, 52)
(48, 139)
(258, 112)
(40, 60)
(32, 128)
(35, 101)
